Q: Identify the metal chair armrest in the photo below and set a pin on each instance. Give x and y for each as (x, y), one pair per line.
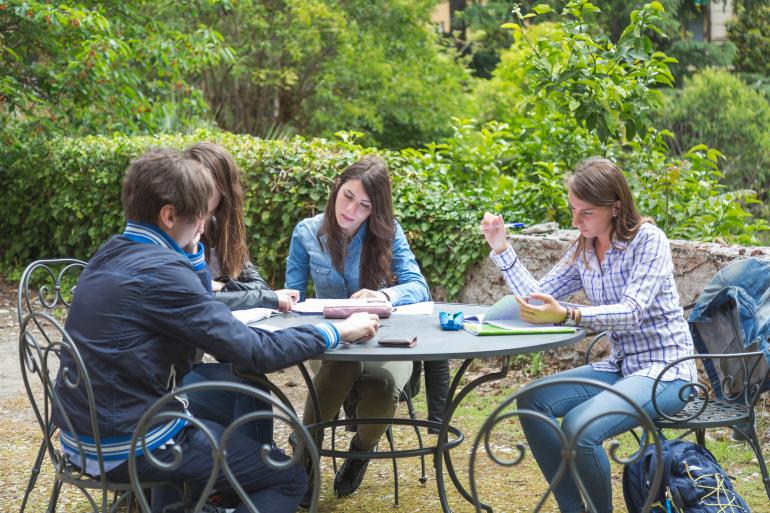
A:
(590, 348)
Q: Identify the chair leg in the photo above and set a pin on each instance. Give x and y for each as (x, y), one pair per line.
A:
(54, 496)
(389, 435)
(413, 416)
(333, 444)
(33, 475)
(700, 437)
(750, 435)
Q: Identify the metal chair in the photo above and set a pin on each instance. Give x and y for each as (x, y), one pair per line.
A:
(304, 450)
(45, 348)
(506, 411)
(45, 286)
(740, 388)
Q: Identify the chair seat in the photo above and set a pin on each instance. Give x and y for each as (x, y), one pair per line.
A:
(717, 413)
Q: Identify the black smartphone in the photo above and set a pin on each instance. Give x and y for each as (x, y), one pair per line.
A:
(398, 342)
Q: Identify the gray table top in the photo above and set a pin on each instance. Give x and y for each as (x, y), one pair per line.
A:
(432, 342)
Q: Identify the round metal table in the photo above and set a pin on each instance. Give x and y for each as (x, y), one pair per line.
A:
(432, 344)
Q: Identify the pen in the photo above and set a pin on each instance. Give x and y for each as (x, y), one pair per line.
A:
(511, 226)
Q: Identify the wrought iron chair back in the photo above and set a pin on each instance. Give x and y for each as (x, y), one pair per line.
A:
(48, 355)
(45, 286)
(507, 410)
(159, 413)
(48, 286)
(735, 407)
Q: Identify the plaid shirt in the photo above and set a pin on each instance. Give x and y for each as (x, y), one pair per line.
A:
(634, 296)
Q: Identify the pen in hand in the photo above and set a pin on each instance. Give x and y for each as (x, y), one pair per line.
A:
(510, 226)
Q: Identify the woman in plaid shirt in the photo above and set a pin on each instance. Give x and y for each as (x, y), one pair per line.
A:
(622, 262)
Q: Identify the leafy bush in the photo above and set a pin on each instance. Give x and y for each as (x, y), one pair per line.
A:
(692, 55)
(320, 66)
(564, 92)
(99, 66)
(750, 33)
(63, 199)
(716, 108)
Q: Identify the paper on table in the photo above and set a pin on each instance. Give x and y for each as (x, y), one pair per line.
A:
(505, 315)
(316, 306)
(423, 308)
(253, 315)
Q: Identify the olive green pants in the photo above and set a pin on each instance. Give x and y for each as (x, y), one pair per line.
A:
(379, 388)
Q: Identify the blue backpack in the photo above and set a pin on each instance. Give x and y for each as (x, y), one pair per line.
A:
(693, 481)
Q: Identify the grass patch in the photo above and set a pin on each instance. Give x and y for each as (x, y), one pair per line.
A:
(514, 489)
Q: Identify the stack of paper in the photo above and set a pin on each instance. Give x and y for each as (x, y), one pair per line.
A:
(252, 315)
(503, 318)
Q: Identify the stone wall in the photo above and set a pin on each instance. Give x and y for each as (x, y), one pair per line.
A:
(540, 247)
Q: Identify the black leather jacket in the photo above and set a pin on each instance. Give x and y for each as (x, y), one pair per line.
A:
(250, 290)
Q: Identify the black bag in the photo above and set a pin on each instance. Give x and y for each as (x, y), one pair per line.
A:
(693, 481)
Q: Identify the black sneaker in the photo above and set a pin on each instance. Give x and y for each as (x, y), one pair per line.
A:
(350, 474)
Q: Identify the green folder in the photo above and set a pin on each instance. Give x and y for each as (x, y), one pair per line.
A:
(488, 329)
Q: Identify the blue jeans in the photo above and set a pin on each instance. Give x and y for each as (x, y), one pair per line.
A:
(270, 489)
(587, 408)
(223, 407)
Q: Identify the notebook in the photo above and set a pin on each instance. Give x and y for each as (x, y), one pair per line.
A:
(503, 318)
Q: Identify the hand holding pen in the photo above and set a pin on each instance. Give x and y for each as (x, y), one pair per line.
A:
(494, 229)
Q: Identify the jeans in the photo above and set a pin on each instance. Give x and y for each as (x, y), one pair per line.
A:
(270, 489)
(587, 408)
(223, 407)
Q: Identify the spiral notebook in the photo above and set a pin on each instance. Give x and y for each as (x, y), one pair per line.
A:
(503, 318)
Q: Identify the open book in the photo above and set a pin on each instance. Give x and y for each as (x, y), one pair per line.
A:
(503, 318)
(253, 315)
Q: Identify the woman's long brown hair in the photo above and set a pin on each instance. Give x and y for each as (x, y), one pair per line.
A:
(600, 182)
(226, 231)
(377, 253)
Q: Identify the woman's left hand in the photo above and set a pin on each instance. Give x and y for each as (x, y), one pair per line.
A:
(369, 294)
(550, 312)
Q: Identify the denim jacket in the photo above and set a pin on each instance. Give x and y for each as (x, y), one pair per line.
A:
(309, 259)
(733, 311)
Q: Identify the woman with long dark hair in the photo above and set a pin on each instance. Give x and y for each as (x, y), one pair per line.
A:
(237, 282)
(356, 249)
(623, 263)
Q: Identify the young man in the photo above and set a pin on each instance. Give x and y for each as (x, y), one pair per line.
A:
(140, 310)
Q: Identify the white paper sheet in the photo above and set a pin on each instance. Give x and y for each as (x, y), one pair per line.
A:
(316, 306)
(253, 315)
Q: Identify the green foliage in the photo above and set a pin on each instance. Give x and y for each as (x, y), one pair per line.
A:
(750, 33)
(716, 108)
(563, 93)
(321, 66)
(685, 195)
(98, 66)
(485, 36)
(63, 199)
(692, 56)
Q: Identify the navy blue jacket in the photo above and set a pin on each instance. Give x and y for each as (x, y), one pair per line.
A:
(138, 314)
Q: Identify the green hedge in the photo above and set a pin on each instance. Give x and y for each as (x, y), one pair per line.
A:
(62, 198)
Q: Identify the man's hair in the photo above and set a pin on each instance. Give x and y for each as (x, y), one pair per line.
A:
(164, 177)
